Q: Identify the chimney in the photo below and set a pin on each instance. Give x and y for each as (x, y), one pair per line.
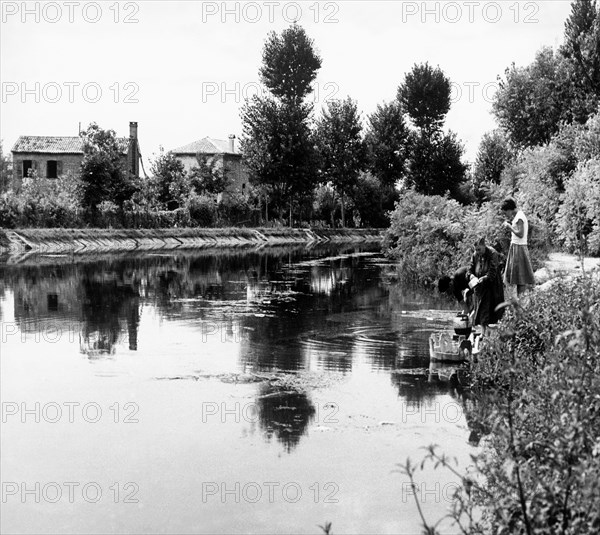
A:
(133, 155)
(231, 142)
(132, 130)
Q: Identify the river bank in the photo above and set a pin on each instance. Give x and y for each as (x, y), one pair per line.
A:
(98, 240)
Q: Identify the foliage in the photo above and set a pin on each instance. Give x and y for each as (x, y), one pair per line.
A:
(541, 383)
(278, 148)
(238, 209)
(586, 142)
(373, 201)
(424, 235)
(103, 170)
(209, 176)
(558, 87)
(277, 139)
(425, 96)
(202, 210)
(579, 213)
(532, 101)
(139, 216)
(326, 204)
(43, 202)
(492, 158)
(537, 178)
(169, 181)
(341, 148)
(290, 64)
(434, 165)
(535, 395)
(387, 140)
(431, 236)
(581, 46)
(5, 169)
(538, 195)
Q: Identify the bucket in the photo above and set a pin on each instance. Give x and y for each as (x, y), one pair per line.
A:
(462, 324)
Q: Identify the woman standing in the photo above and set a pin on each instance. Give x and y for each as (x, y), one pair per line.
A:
(518, 264)
(489, 292)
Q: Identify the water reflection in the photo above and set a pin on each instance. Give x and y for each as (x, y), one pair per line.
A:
(207, 319)
(283, 309)
(107, 303)
(284, 414)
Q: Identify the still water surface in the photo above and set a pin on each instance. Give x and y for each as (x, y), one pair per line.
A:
(136, 395)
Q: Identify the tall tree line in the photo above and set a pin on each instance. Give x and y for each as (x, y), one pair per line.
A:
(289, 152)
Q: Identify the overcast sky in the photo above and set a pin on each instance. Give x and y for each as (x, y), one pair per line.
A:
(182, 69)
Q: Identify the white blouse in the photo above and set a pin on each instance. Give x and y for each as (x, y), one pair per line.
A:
(520, 216)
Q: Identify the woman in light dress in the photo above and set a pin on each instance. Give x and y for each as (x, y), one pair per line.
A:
(519, 271)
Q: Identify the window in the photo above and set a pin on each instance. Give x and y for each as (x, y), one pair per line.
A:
(51, 169)
(27, 165)
(52, 300)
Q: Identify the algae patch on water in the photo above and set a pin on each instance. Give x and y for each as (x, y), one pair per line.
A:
(300, 382)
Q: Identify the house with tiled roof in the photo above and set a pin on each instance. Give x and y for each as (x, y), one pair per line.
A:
(223, 152)
(55, 156)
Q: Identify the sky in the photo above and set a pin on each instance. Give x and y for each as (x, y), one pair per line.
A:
(183, 69)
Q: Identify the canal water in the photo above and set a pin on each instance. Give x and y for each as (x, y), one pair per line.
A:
(225, 391)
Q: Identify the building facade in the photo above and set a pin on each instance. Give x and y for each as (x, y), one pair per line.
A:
(224, 154)
(56, 156)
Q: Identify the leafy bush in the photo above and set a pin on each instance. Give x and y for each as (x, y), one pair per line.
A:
(140, 217)
(238, 209)
(424, 235)
(540, 385)
(42, 202)
(431, 236)
(542, 174)
(587, 140)
(536, 395)
(104, 176)
(202, 210)
(579, 214)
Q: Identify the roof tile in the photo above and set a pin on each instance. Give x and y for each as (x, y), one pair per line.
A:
(58, 144)
(206, 145)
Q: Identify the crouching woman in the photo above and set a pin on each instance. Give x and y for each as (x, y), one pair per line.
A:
(489, 291)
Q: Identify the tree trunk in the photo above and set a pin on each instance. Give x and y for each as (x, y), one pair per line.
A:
(291, 223)
(343, 211)
(266, 209)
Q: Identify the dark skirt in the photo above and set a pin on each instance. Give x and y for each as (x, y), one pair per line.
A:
(487, 297)
(518, 266)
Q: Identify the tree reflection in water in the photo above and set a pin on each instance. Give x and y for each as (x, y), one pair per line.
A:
(284, 414)
(105, 304)
(323, 309)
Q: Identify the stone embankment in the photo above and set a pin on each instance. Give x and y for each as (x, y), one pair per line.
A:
(100, 240)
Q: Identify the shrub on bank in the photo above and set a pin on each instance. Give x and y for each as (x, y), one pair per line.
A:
(535, 394)
(42, 202)
(539, 383)
(431, 236)
(50, 203)
(424, 235)
(579, 214)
